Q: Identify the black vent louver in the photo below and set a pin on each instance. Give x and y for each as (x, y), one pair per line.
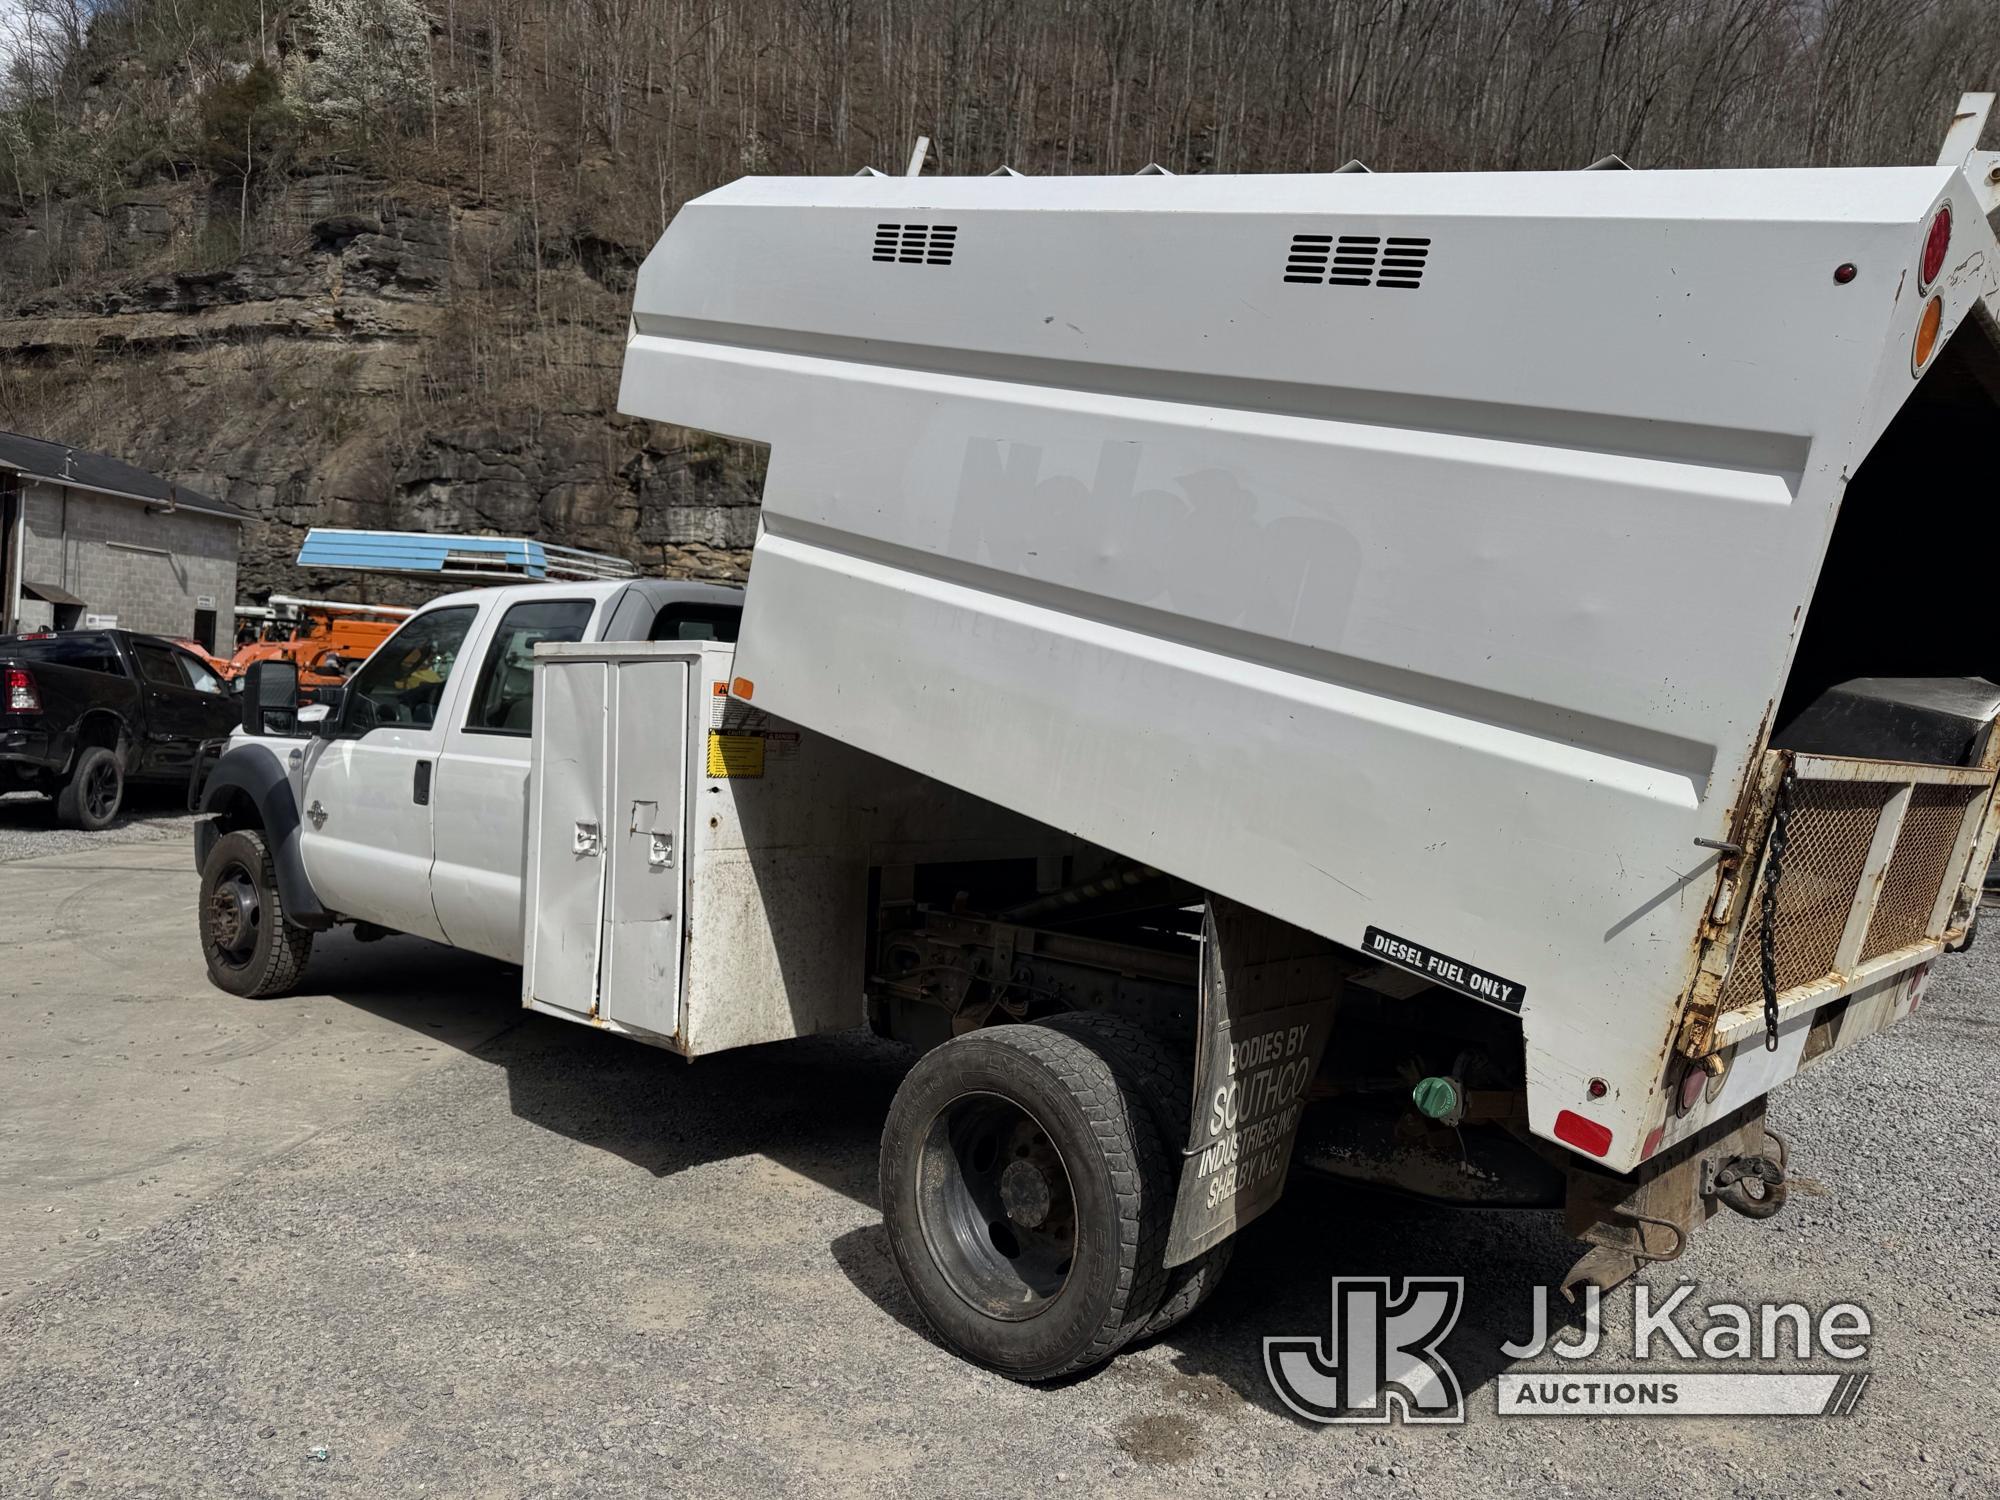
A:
(1357, 260)
(916, 244)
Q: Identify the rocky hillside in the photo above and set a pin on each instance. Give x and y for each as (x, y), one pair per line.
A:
(366, 372)
(329, 326)
(369, 261)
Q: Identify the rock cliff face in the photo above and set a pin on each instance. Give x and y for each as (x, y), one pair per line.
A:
(427, 366)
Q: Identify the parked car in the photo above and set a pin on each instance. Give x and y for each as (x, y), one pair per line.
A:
(84, 712)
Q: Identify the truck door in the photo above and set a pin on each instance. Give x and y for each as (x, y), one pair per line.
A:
(480, 816)
(607, 839)
(645, 845)
(366, 830)
(177, 718)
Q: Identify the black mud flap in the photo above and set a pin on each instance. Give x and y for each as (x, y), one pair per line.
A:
(1268, 994)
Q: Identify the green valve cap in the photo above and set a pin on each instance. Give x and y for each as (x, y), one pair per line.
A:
(1436, 1097)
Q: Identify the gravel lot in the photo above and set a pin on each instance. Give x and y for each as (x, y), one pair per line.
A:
(28, 826)
(560, 1264)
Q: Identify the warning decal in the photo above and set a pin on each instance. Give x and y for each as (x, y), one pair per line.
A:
(1452, 973)
(735, 754)
(727, 715)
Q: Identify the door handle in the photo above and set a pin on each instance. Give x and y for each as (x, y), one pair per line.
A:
(420, 791)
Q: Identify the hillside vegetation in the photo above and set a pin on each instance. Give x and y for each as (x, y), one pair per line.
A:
(369, 261)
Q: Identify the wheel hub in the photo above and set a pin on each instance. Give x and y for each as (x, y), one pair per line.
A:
(100, 790)
(996, 1206)
(1026, 1193)
(233, 914)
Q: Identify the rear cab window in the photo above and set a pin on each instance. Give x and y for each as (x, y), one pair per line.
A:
(695, 622)
(87, 653)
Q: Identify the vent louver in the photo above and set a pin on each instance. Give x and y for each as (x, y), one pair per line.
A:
(916, 244)
(1357, 260)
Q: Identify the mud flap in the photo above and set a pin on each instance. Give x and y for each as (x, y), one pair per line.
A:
(1268, 995)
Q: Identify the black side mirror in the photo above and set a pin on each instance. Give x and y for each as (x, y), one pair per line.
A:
(271, 698)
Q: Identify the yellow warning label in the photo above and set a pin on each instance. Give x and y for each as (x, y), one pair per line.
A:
(735, 754)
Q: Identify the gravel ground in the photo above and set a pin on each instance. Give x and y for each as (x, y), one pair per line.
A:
(566, 1265)
(28, 826)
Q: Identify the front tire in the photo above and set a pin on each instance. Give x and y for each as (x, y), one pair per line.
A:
(1027, 1195)
(95, 790)
(250, 948)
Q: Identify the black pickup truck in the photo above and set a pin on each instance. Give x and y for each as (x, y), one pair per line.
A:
(84, 712)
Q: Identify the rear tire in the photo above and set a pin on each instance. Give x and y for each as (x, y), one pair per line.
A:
(1166, 1074)
(250, 948)
(95, 790)
(1027, 1193)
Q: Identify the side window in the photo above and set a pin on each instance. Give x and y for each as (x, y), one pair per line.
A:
(156, 665)
(695, 622)
(404, 682)
(198, 675)
(504, 701)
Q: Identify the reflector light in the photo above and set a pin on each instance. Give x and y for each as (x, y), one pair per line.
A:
(1694, 1084)
(743, 688)
(1920, 977)
(1927, 335)
(1572, 1129)
(1653, 1140)
(1937, 243)
(21, 695)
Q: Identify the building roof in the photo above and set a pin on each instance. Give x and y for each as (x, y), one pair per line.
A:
(81, 469)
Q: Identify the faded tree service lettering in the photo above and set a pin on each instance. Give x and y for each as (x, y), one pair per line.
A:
(1253, 1111)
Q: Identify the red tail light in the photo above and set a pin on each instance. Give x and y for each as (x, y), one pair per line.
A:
(22, 698)
(1937, 244)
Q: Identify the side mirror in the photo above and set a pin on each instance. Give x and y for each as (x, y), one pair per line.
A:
(271, 698)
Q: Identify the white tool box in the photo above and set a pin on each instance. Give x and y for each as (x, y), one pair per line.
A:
(697, 871)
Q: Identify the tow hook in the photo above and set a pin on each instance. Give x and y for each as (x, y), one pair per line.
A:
(1752, 1185)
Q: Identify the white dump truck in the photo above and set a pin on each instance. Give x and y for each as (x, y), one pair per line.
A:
(1465, 682)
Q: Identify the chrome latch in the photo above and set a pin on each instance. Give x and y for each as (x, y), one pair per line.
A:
(589, 840)
(317, 813)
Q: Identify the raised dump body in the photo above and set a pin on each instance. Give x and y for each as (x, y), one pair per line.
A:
(1429, 561)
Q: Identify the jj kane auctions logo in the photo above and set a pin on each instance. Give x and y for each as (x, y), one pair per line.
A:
(1380, 1358)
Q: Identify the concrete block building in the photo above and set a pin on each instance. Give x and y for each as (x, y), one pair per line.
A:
(88, 541)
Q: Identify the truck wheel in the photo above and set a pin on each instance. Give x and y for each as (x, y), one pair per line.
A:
(1166, 1074)
(251, 949)
(1027, 1194)
(96, 787)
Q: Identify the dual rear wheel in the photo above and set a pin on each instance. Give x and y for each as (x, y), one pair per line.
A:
(1028, 1180)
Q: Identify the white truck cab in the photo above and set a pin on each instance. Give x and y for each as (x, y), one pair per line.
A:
(404, 808)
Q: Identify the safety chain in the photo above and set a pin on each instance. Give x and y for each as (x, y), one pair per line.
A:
(1774, 867)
